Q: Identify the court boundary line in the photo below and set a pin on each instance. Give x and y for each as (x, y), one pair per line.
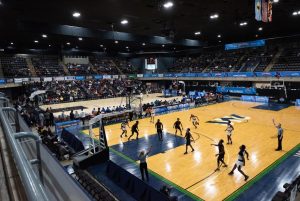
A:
(177, 187)
(259, 176)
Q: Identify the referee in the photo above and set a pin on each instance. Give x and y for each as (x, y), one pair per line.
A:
(279, 135)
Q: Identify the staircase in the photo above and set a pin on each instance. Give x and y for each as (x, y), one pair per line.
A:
(116, 66)
(64, 67)
(274, 60)
(31, 67)
(93, 68)
(1, 71)
(239, 63)
(208, 67)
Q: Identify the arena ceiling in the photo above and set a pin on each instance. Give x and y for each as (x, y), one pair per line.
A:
(23, 22)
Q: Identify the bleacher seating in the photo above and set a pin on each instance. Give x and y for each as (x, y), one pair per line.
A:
(80, 69)
(14, 66)
(103, 65)
(125, 66)
(95, 189)
(47, 65)
(225, 61)
(288, 61)
(192, 64)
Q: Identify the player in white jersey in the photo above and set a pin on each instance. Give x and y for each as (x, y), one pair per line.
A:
(195, 120)
(124, 128)
(241, 162)
(152, 115)
(229, 130)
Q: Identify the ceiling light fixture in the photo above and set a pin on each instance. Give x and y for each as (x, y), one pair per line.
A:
(144, 44)
(214, 16)
(68, 43)
(76, 14)
(12, 43)
(275, 1)
(197, 33)
(124, 22)
(80, 39)
(49, 45)
(163, 45)
(168, 4)
(127, 47)
(219, 36)
(296, 13)
(116, 42)
(44, 36)
(243, 23)
(260, 29)
(36, 41)
(101, 45)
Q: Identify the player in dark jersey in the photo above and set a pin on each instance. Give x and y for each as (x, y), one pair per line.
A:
(159, 127)
(221, 154)
(134, 129)
(178, 126)
(188, 137)
(241, 162)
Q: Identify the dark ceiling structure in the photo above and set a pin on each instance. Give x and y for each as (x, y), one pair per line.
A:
(151, 27)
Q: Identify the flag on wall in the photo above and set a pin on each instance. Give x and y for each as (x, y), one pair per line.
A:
(263, 10)
(258, 10)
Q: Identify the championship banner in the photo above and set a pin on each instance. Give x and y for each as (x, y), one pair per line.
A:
(266, 10)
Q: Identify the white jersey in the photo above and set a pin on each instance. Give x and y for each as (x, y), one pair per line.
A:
(229, 129)
(240, 161)
(123, 126)
(194, 119)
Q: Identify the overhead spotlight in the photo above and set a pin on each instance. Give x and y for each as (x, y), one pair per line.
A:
(295, 13)
(127, 47)
(214, 16)
(49, 45)
(168, 4)
(80, 39)
(11, 43)
(243, 23)
(124, 21)
(197, 33)
(68, 43)
(275, 1)
(101, 45)
(299, 12)
(260, 29)
(143, 44)
(163, 45)
(174, 48)
(256, 36)
(220, 41)
(219, 36)
(76, 14)
(44, 36)
(1, 3)
(36, 41)
(116, 42)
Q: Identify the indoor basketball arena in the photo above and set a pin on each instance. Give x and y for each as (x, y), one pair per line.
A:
(150, 100)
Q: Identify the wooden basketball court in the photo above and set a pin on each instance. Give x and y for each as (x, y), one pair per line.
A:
(195, 172)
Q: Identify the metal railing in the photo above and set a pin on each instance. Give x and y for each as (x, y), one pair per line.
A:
(43, 178)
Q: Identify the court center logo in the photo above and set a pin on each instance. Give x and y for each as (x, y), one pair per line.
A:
(233, 118)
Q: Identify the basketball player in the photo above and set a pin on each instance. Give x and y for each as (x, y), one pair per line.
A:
(221, 154)
(188, 136)
(134, 129)
(178, 126)
(159, 127)
(241, 162)
(279, 135)
(195, 120)
(229, 130)
(124, 129)
(152, 114)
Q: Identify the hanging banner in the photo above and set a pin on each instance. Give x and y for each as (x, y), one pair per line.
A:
(257, 10)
